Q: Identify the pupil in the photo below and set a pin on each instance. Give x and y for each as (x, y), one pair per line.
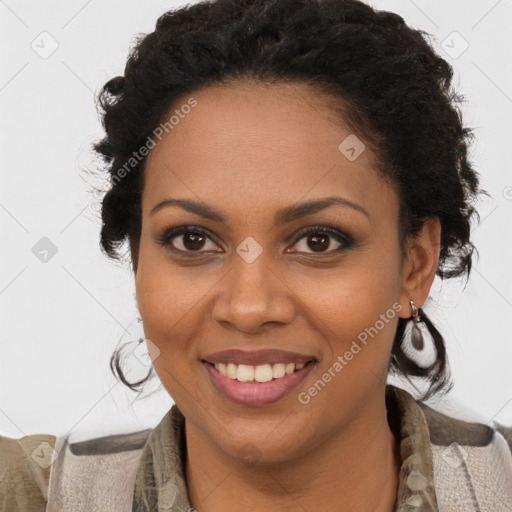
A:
(316, 237)
(196, 241)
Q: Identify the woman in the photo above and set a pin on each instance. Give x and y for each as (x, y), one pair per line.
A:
(290, 176)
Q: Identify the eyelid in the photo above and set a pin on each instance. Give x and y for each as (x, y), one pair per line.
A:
(344, 239)
(168, 234)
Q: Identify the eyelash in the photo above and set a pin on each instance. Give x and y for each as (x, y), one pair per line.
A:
(167, 236)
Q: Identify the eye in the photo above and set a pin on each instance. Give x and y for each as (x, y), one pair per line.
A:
(192, 239)
(188, 239)
(319, 239)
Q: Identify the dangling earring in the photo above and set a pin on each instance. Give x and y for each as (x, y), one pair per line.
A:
(414, 347)
(416, 335)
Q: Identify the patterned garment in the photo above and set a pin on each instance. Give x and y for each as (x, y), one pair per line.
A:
(448, 465)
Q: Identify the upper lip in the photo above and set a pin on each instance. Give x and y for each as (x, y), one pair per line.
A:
(257, 357)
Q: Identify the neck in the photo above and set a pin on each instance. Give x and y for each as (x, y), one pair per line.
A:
(355, 469)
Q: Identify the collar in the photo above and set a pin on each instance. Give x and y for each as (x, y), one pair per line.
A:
(160, 483)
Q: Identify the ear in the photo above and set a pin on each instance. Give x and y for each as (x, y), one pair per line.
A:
(420, 265)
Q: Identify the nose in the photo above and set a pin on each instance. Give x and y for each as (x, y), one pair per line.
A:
(252, 295)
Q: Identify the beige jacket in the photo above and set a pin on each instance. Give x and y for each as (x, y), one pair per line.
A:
(448, 465)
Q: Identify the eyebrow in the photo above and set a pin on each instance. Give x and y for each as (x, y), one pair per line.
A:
(282, 216)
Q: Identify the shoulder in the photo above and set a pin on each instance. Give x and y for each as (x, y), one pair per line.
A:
(472, 460)
(103, 464)
(25, 465)
(44, 472)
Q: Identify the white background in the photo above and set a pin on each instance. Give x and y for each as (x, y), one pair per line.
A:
(61, 319)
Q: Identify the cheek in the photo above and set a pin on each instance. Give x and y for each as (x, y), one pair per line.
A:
(360, 327)
(358, 324)
(357, 303)
(167, 293)
(169, 309)
(171, 303)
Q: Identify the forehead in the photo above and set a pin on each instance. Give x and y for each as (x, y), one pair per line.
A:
(260, 144)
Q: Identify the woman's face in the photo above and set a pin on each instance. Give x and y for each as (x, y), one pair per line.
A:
(258, 280)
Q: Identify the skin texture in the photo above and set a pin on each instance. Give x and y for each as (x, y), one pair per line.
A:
(248, 151)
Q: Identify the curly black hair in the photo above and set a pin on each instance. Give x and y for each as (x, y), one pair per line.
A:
(382, 76)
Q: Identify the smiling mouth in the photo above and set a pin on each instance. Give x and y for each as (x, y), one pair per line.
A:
(257, 373)
(259, 385)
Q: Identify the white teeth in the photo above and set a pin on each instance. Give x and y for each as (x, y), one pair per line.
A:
(263, 373)
(260, 373)
(245, 373)
(278, 371)
(232, 368)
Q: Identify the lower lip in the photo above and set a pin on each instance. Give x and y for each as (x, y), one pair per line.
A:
(255, 394)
